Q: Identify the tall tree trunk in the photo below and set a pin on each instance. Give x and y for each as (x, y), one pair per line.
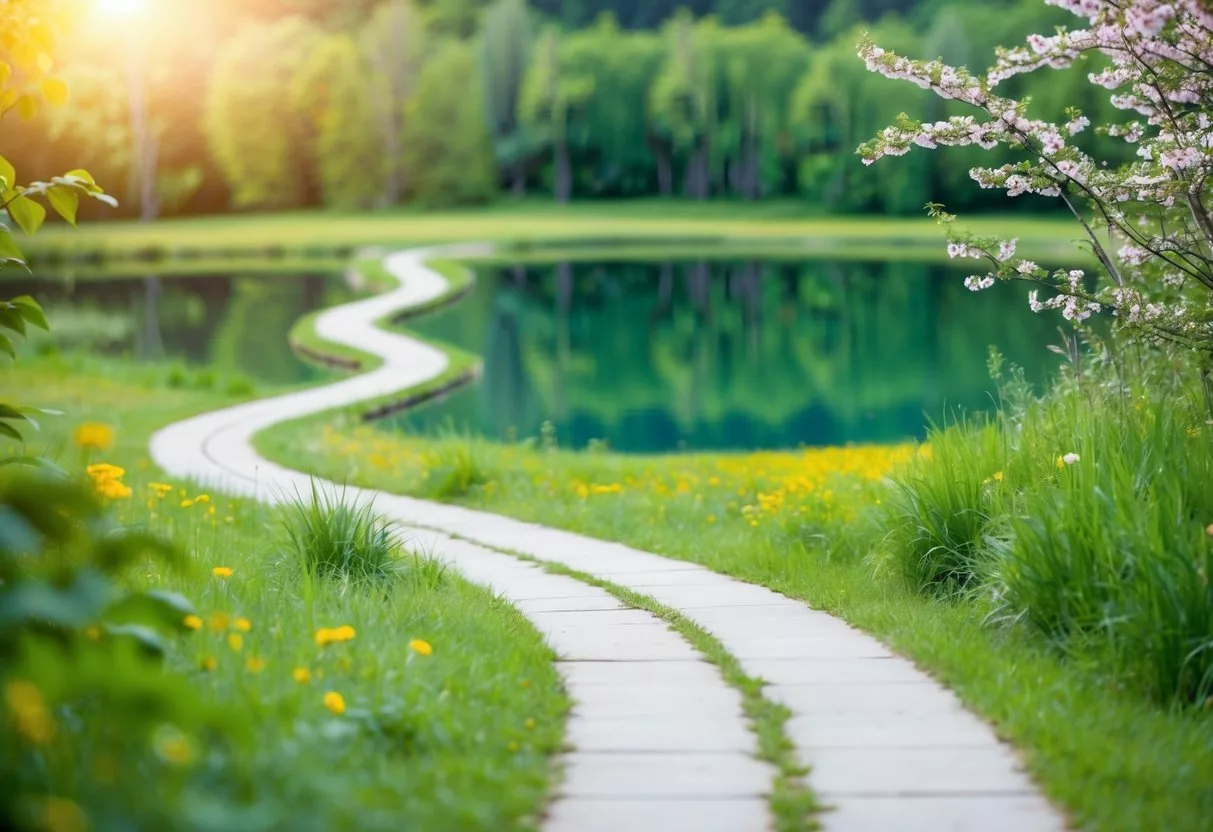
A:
(752, 171)
(665, 172)
(563, 174)
(519, 172)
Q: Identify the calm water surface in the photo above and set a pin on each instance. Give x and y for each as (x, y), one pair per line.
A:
(661, 356)
(233, 323)
(649, 357)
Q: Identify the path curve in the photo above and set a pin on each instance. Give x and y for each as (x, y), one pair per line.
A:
(660, 741)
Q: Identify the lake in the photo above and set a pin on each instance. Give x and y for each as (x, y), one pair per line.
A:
(669, 355)
(647, 356)
(233, 323)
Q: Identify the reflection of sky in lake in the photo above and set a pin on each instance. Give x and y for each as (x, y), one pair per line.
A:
(232, 323)
(657, 356)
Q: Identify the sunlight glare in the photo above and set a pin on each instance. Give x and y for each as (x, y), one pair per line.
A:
(121, 8)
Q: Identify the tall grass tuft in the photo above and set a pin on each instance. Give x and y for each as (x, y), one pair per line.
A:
(942, 510)
(335, 539)
(455, 466)
(1085, 515)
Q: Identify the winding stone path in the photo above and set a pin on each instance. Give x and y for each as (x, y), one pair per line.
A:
(660, 741)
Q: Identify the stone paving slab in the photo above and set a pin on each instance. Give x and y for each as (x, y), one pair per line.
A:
(612, 815)
(985, 813)
(898, 730)
(882, 777)
(658, 734)
(711, 776)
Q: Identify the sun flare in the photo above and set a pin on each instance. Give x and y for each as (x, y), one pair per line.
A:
(121, 8)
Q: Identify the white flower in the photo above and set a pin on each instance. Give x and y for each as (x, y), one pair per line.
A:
(1070, 458)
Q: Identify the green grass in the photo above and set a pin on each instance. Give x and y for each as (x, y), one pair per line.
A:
(321, 234)
(802, 524)
(460, 739)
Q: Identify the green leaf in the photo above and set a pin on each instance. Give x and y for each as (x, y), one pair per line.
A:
(125, 546)
(9, 412)
(65, 201)
(7, 346)
(147, 640)
(8, 246)
(39, 462)
(11, 432)
(11, 319)
(7, 173)
(159, 610)
(27, 214)
(81, 173)
(73, 606)
(31, 310)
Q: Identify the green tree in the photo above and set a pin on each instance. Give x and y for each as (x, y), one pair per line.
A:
(446, 146)
(552, 97)
(394, 43)
(259, 132)
(505, 52)
(682, 104)
(348, 154)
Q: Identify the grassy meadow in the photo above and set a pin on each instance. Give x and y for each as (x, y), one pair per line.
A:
(304, 697)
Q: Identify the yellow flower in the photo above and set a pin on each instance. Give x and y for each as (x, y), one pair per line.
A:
(172, 746)
(60, 815)
(235, 641)
(421, 647)
(326, 636)
(334, 702)
(209, 663)
(186, 503)
(243, 625)
(222, 572)
(193, 622)
(998, 476)
(219, 621)
(254, 664)
(301, 675)
(202, 498)
(103, 472)
(94, 436)
(162, 489)
(33, 719)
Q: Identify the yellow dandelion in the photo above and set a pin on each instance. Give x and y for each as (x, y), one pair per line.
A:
(94, 436)
(254, 664)
(186, 503)
(219, 621)
(421, 647)
(335, 702)
(301, 675)
(172, 746)
(162, 489)
(192, 622)
(998, 476)
(235, 641)
(222, 572)
(243, 625)
(202, 498)
(32, 717)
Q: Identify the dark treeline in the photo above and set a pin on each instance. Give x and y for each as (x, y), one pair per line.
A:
(365, 104)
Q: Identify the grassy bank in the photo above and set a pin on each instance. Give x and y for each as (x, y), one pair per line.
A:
(374, 732)
(524, 224)
(803, 524)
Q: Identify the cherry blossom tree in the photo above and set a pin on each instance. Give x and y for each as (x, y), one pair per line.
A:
(1148, 220)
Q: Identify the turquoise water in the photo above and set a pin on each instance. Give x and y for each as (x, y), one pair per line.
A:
(668, 355)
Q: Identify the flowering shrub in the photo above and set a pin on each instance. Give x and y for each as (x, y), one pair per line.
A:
(1147, 221)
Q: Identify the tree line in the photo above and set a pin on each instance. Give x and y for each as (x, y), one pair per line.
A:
(360, 105)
